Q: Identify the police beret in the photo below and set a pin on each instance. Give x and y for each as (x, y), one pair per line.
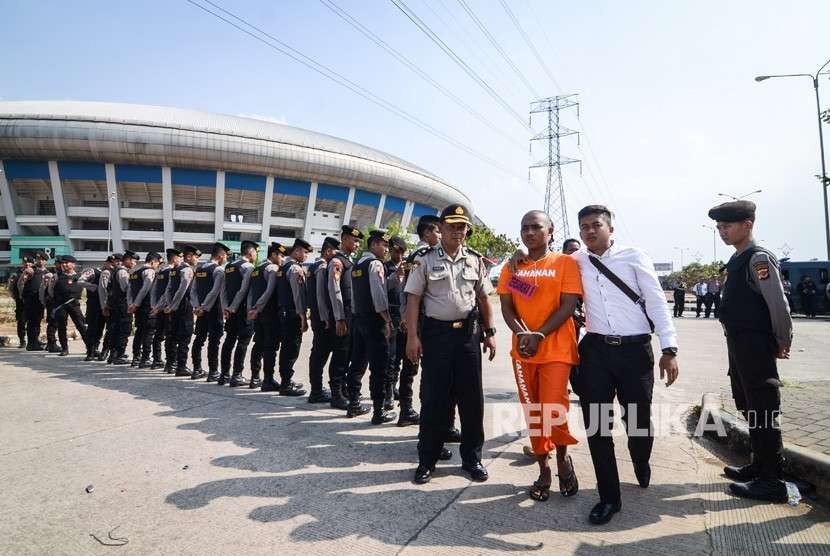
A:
(379, 235)
(219, 246)
(152, 256)
(110, 258)
(397, 243)
(173, 252)
(190, 249)
(130, 255)
(42, 255)
(331, 242)
(456, 214)
(247, 244)
(733, 211)
(352, 231)
(68, 259)
(303, 244)
(277, 248)
(116, 256)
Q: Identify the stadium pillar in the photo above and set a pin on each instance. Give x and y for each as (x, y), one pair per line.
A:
(114, 209)
(407, 214)
(57, 195)
(347, 214)
(167, 205)
(8, 205)
(309, 212)
(266, 209)
(219, 207)
(379, 215)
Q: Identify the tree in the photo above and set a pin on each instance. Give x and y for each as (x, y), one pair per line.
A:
(395, 228)
(494, 247)
(693, 273)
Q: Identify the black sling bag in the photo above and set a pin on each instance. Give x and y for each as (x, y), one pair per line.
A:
(625, 288)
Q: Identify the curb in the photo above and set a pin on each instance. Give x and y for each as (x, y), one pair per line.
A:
(806, 464)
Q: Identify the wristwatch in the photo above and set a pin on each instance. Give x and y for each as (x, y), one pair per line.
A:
(489, 332)
(670, 351)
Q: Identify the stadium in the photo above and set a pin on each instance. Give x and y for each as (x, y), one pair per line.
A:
(88, 178)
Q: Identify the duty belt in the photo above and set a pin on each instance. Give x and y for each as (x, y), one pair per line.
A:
(613, 340)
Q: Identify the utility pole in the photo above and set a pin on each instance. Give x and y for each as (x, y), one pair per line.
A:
(554, 189)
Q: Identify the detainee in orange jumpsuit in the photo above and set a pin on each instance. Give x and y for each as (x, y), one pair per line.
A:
(537, 303)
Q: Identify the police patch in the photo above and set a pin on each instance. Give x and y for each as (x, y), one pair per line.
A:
(201, 275)
(761, 270)
(357, 273)
(230, 269)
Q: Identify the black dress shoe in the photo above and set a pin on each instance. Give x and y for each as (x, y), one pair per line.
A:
(170, 369)
(319, 397)
(89, 357)
(356, 409)
(291, 389)
(741, 473)
(238, 380)
(603, 512)
(643, 472)
(255, 383)
(64, 353)
(183, 371)
(383, 416)
(339, 402)
(445, 454)
(121, 361)
(270, 386)
(423, 474)
(156, 365)
(213, 376)
(476, 471)
(104, 355)
(135, 362)
(35, 348)
(408, 417)
(223, 379)
(197, 374)
(453, 436)
(53, 349)
(766, 490)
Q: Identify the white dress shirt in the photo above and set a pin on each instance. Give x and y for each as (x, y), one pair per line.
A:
(609, 311)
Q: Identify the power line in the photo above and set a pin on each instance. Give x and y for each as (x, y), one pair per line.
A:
(341, 80)
(498, 47)
(529, 43)
(348, 18)
(425, 29)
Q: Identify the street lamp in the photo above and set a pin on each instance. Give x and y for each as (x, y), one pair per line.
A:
(744, 196)
(682, 250)
(714, 241)
(824, 181)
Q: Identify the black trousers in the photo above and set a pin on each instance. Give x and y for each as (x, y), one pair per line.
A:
(208, 327)
(73, 311)
(369, 347)
(266, 343)
(627, 373)
(51, 324)
(20, 319)
(401, 367)
(238, 332)
(120, 323)
(716, 304)
(291, 338)
(679, 305)
(181, 330)
(341, 349)
(708, 300)
(753, 373)
(451, 365)
(154, 337)
(142, 316)
(34, 314)
(95, 324)
(699, 300)
(321, 347)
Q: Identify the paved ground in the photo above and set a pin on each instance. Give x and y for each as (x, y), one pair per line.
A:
(189, 467)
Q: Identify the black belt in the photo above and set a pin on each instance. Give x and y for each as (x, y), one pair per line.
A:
(612, 340)
(447, 324)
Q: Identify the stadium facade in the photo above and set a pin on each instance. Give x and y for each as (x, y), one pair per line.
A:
(88, 178)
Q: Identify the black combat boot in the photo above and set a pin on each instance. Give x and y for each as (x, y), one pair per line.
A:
(389, 398)
(408, 416)
(357, 409)
(338, 400)
(381, 415)
(320, 396)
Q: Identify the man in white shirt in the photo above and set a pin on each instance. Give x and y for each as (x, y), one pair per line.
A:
(616, 359)
(700, 297)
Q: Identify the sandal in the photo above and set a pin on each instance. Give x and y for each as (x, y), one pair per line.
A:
(568, 484)
(539, 491)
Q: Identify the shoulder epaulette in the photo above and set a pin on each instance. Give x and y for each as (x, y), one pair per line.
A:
(421, 251)
(474, 252)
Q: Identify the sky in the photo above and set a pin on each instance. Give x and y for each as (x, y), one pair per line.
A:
(669, 113)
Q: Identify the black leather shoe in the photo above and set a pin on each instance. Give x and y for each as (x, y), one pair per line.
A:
(64, 353)
(134, 363)
(453, 436)
(37, 347)
(383, 416)
(408, 417)
(766, 490)
(157, 365)
(104, 355)
(197, 374)
(89, 357)
(255, 383)
(144, 364)
(339, 402)
(238, 380)
(270, 386)
(741, 473)
(53, 348)
(322, 396)
(476, 471)
(223, 379)
(291, 389)
(643, 472)
(121, 361)
(423, 474)
(388, 404)
(213, 376)
(603, 512)
(183, 371)
(445, 454)
(170, 369)
(356, 409)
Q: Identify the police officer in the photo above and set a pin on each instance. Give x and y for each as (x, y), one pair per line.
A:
(451, 282)
(32, 306)
(104, 287)
(339, 306)
(758, 329)
(138, 304)
(158, 324)
(395, 269)
(204, 297)
(67, 290)
(179, 309)
(372, 329)
(264, 312)
(15, 284)
(120, 321)
(292, 314)
(322, 330)
(238, 329)
(95, 320)
(46, 296)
